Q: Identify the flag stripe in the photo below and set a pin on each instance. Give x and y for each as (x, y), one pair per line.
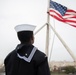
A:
(71, 11)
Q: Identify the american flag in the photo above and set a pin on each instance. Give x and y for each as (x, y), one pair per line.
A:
(62, 13)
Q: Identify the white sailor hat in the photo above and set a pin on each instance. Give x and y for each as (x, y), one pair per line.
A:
(25, 27)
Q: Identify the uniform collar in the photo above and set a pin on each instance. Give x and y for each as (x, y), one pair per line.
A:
(29, 58)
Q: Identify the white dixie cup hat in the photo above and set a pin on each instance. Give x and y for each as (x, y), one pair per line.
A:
(25, 27)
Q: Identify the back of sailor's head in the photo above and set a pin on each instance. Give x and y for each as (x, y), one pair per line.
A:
(25, 32)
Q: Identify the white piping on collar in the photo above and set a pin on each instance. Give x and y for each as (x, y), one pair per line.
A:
(30, 56)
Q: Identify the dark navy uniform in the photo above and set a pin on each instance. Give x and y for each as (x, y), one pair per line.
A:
(26, 60)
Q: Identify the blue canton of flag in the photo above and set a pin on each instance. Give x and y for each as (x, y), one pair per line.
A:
(58, 7)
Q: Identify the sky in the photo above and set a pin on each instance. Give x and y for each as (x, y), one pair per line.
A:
(14, 12)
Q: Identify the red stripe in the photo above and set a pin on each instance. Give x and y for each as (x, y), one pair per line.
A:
(69, 10)
(72, 25)
(70, 21)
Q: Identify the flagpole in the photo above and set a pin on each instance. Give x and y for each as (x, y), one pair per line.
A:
(47, 31)
(65, 45)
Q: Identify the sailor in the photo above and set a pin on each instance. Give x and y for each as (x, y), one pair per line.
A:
(26, 59)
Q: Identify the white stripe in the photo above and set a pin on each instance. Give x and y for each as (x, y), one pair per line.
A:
(69, 16)
(71, 13)
(30, 56)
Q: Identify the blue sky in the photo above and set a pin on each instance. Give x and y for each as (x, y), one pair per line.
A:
(14, 12)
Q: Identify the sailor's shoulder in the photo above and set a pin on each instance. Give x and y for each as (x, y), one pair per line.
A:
(39, 55)
(9, 56)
